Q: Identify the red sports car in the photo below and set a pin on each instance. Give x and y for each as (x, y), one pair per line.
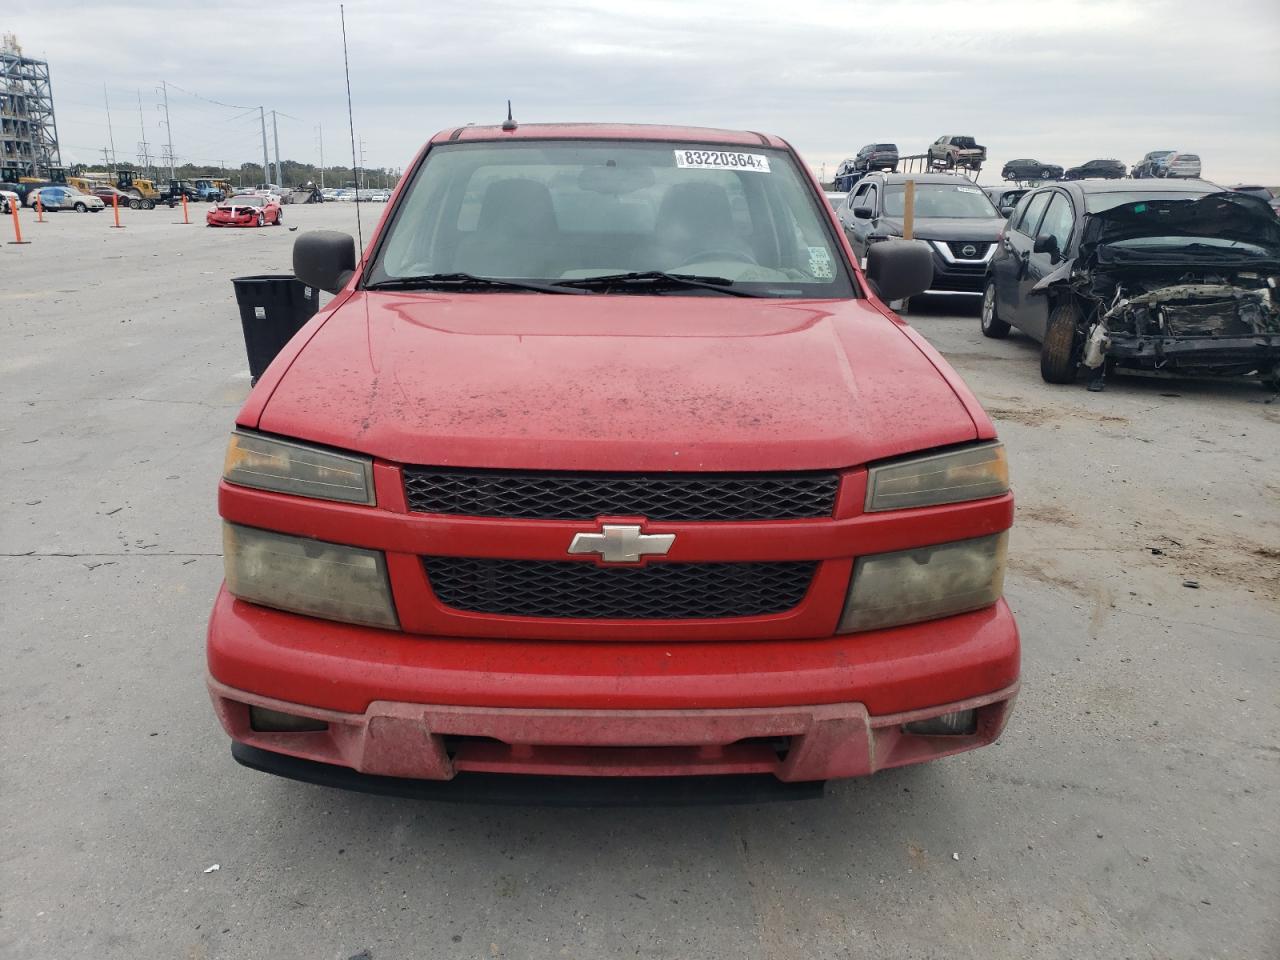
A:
(245, 211)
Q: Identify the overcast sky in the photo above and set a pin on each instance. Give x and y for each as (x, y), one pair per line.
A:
(1062, 82)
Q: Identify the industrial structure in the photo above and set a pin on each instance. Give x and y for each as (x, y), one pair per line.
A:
(28, 131)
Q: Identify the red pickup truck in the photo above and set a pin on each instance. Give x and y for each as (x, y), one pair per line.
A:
(540, 492)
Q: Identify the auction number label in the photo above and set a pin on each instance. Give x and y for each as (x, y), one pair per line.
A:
(721, 160)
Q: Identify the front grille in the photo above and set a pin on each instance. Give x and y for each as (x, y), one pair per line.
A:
(958, 249)
(585, 496)
(960, 278)
(569, 590)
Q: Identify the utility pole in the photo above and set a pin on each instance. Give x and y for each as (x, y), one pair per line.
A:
(263, 118)
(105, 161)
(144, 153)
(275, 132)
(164, 89)
(110, 133)
(320, 137)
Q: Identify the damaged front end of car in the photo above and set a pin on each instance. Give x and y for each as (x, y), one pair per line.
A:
(1181, 285)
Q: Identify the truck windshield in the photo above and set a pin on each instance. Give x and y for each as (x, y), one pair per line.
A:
(571, 210)
(941, 200)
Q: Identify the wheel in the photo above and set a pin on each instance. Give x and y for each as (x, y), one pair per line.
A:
(81, 208)
(1058, 351)
(1044, 174)
(992, 325)
(279, 218)
(148, 204)
(135, 204)
(261, 218)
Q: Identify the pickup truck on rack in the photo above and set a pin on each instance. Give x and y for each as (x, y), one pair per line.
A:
(606, 459)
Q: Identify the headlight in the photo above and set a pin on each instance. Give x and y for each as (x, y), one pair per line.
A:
(269, 464)
(971, 473)
(308, 576)
(890, 589)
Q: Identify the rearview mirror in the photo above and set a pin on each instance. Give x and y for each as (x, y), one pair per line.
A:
(864, 211)
(324, 259)
(1047, 245)
(898, 269)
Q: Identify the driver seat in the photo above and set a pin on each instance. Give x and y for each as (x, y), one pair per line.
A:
(696, 218)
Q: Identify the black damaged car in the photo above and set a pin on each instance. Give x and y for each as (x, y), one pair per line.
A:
(1179, 276)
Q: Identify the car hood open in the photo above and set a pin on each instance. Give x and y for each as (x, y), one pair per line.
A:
(629, 383)
(1225, 215)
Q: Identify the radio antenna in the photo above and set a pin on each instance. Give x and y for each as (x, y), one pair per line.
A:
(351, 123)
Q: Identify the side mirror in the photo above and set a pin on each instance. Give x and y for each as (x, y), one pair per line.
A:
(324, 259)
(864, 211)
(1047, 245)
(898, 269)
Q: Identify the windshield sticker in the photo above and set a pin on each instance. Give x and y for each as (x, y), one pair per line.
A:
(968, 190)
(820, 263)
(721, 160)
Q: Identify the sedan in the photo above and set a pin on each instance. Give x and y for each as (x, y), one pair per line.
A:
(245, 211)
(65, 198)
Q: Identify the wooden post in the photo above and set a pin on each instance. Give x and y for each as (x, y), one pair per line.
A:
(908, 209)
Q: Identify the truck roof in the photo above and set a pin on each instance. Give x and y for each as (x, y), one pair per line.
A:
(609, 131)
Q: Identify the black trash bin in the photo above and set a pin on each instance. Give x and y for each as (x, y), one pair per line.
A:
(272, 310)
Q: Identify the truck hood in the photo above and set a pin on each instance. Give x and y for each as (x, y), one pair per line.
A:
(953, 228)
(600, 382)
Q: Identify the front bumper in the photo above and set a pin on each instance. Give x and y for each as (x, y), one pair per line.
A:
(1190, 353)
(954, 276)
(402, 705)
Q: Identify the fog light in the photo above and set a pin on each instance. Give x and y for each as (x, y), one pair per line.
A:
(958, 724)
(274, 721)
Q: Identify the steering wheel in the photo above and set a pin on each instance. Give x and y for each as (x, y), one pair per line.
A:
(721, 253)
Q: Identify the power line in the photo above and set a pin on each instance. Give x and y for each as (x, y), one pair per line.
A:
(229, 106)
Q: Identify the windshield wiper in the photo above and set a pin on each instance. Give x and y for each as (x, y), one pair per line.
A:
(428, 281)
(657, 279)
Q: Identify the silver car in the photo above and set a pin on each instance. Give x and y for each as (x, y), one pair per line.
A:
(1182, 165)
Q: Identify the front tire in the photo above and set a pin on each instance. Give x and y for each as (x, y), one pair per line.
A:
(1058, 351)
(992, 325)
(261, 218)
(81, 208)
(279, 217)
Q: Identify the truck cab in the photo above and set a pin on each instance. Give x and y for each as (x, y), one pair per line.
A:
(606, 459)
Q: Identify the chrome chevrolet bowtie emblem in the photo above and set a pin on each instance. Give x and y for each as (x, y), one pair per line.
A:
(622, 543)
